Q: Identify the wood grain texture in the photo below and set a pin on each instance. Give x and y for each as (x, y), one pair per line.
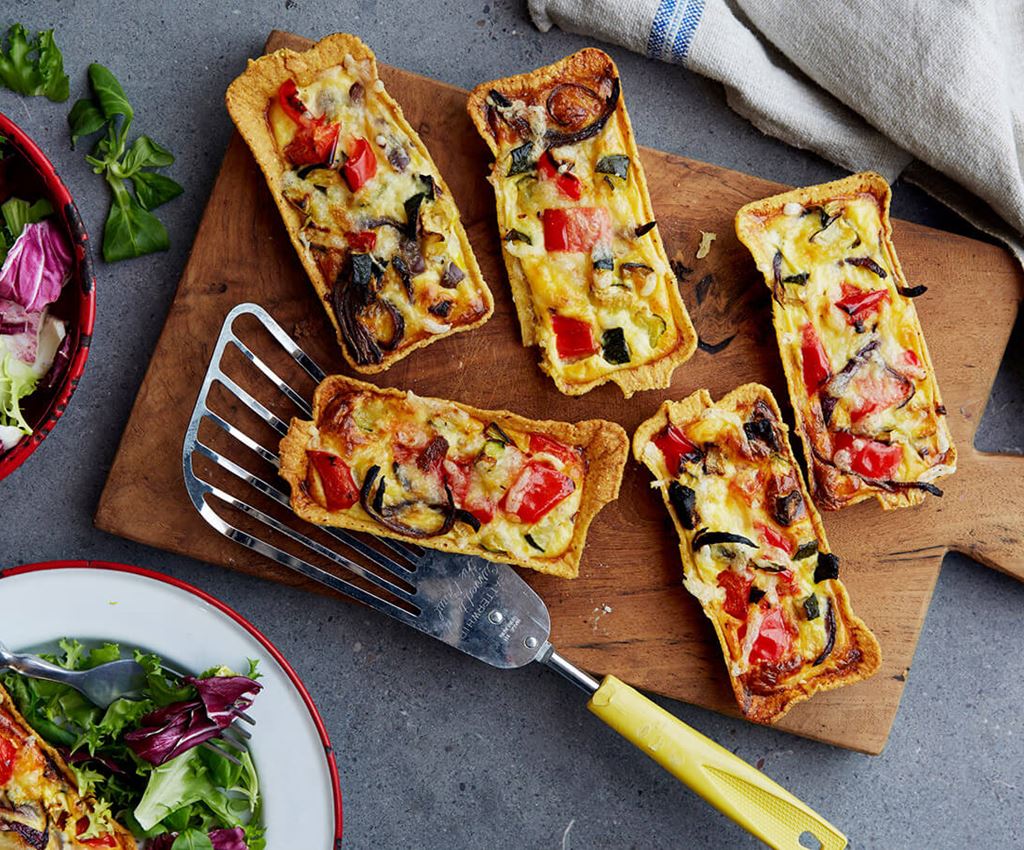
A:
(655, 635)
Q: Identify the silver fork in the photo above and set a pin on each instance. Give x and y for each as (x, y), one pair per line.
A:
(101, 685)
(483, 609)
(104, 684)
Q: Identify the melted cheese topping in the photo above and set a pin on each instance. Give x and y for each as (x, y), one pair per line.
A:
(634, 299)
(429, 302)
(735, 483)
(882, 348)
(34, 792)
(487, 470)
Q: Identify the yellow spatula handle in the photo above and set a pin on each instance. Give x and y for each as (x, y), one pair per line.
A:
(728, 783)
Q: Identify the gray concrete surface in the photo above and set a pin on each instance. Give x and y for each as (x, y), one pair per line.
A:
(437, 751)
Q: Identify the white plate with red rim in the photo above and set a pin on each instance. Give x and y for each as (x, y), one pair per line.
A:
(95, 601)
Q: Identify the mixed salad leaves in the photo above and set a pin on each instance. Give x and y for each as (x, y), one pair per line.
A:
(34, 345)
(140, 758)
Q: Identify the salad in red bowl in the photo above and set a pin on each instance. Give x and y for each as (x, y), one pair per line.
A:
(47, 296)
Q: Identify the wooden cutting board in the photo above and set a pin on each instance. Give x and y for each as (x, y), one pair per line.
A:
(627, 613)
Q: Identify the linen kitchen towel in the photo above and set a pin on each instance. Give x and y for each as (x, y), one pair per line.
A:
(932, 91)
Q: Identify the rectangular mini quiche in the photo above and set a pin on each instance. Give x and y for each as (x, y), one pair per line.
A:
(40, 806)
(753, 548)
(452, 477)
(368, 212)
(590, 277)
(860, 379)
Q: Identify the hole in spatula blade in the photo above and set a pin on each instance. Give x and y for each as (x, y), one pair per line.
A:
(810, 841)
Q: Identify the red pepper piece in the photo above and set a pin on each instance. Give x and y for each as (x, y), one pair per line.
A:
(82, 824)
(737, 593)
(566, 182)
(8, 753)
(288, 98)
(313, 143)
(543, 443)
(869, 458)
(773, 639)
(816, 367)
(360, 166)
(675, 447)
(362, 241)
(876, 391)
(459, 475)
(340, 491)
(573, 337)
(536, 491)
(858, 303)
(787, 584)
(575, 229)
(773, 537)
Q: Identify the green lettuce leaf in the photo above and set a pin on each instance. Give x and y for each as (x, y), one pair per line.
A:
(33, 65)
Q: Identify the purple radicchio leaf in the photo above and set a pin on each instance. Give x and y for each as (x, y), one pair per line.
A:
(82, 756)
(60, 362)
(174, 729)
(37, 266)
(228, 839)
(21, 328)
(224, 696)
(221, 839)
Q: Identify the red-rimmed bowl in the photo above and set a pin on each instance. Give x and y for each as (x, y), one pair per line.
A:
(77, 303)
(100, 601)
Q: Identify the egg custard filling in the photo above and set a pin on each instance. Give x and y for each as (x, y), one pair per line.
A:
(450, 476)
(589, 273)
(860, 378)
(373, 220)
(753, 549)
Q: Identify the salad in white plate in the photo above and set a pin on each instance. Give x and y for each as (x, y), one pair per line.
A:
(34, 345)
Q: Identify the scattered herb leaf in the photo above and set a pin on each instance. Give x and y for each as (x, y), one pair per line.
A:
(33, 66)
(131, 229)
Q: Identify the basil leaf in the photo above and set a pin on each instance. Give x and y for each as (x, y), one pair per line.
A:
(617, 164)
(145, 153)
(522, 160)
(131, 230)
(33, 66)
(614, 346)
(154, 189)
(109, 93)
(84, 119)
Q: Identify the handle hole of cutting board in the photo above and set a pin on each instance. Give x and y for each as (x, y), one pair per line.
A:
(810, 841)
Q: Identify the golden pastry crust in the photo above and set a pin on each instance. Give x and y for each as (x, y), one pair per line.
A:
(589, 67)
(832, 488)
(54, 777)
(247, 101)
(605, 446)
(856, 654)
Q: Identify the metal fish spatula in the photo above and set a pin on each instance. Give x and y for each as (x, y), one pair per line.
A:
(483, 609)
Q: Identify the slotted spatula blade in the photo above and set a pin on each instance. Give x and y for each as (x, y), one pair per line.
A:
(481, 608)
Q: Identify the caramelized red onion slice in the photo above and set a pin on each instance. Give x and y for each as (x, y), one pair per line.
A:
(355, 292)
(563, 111)
(830, 629)
(372, 501)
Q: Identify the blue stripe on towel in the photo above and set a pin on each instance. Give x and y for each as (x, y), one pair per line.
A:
(659, 28)
(672, 29)
(691, 18)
